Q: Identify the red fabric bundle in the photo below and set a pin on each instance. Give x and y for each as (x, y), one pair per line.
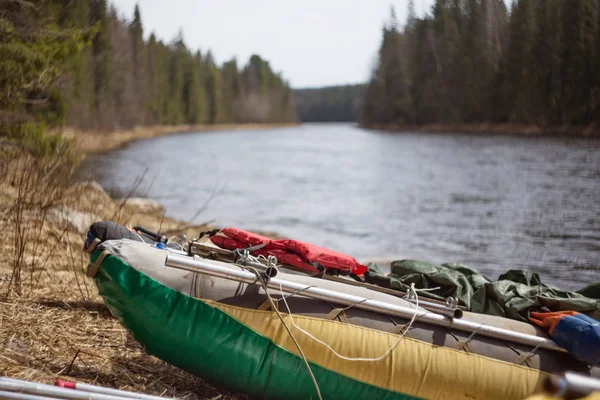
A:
(291, 252)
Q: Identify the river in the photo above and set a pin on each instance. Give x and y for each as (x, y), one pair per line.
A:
(491, 202)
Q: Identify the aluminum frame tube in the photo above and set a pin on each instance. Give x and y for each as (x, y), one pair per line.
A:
(582, 382)
(41, 389)
(103, 390)
(452, 312)
(23, 396)
(571, 385)
(230, 258)
(201, 266)
(455, 313)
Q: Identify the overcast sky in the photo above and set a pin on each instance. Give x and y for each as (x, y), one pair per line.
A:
(311, 42)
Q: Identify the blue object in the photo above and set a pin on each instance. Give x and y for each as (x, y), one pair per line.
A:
(90, 238)
(88, 242)
(580, 336)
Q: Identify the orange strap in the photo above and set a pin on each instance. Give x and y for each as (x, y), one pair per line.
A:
(549, 320)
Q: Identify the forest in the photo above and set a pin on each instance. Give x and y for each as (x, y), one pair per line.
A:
(478, 61)
(79, 64)
(329, 104)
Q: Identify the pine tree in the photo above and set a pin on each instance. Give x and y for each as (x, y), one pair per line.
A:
(139, 65)
(256, 80)
(546, 51)
(175, 107)
(411, 16)
(443, 40)
(152, 103)
(76, 84)
(193, 90)
(424, 89)
(579, 31)
(101, 60)
(470, 61)
(34, 52)
(493, 20)
(125, 112)
(231, 91)
(491, 29)
(396, 107)
(473, 67)
(121, 80)
(387, 98)
(519, 61)
(213, 90)
(596, 106)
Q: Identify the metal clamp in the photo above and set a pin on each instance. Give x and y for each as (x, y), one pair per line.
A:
(451, 302)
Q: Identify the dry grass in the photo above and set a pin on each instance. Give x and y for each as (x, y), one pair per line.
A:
(53, 323)
(93, 141)
(47, 338)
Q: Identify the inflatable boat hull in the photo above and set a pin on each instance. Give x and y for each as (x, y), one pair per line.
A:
(222, 331)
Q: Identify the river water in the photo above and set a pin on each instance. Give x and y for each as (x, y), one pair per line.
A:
(491, 202)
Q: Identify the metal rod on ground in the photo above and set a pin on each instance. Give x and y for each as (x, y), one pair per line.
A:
(210, 268)
(99, 389)
(24, 396)
(19, 386)
(228, 255)
(571, 386)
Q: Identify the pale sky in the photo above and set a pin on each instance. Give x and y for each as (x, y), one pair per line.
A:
(311, 42)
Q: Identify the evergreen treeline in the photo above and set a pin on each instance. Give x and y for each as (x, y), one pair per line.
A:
(76, 62)
(473, 61)
(33, 54)
(329, 104)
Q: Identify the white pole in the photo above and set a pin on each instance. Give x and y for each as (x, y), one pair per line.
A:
(19, 386)
(103, 390)
(571, 386)
(449, 311)
(582, 382)
(23, 396)
(313, 291)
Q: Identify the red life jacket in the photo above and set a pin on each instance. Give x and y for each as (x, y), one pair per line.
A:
(291, 252)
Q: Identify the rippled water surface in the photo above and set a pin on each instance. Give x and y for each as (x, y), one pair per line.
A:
(492, 202)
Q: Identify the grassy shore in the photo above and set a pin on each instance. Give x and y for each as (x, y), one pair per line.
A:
(495, 129)
(53, 323)
(95, 141)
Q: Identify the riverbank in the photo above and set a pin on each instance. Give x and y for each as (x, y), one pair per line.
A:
(495, 129)
(53, 323)
(98, 141)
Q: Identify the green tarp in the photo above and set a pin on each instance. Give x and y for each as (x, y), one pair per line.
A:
(513, 295)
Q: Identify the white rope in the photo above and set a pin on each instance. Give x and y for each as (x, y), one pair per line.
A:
(287, 328)
(387, 352)
(272, 261)
(412, 292)
(177, 243)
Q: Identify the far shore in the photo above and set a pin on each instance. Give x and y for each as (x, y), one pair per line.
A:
(98, 141)
(95, 141)
(490, 128)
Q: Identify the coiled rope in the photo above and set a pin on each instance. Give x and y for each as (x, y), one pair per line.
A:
(385, 354)
(287, 328)
(272, 262)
